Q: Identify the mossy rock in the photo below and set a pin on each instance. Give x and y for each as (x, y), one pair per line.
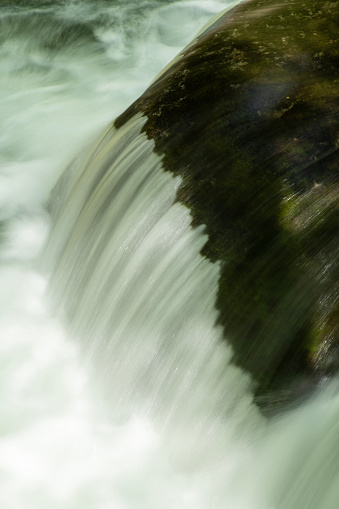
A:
(248, 116)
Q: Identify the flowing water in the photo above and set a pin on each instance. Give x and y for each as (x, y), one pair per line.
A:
(116, 388)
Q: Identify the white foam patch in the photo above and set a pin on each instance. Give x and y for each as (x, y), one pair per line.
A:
(56, 446)
(26, 234)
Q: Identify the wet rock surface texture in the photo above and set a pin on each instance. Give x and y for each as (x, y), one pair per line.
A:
(248, 116)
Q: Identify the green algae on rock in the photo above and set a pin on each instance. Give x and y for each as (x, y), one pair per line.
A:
(248, 117)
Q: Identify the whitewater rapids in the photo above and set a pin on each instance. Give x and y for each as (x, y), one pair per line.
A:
(171, 429)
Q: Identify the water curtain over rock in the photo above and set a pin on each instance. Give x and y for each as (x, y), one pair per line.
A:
(191, 262)
(248, 116)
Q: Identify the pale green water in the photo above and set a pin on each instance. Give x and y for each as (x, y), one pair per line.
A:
(150, 413)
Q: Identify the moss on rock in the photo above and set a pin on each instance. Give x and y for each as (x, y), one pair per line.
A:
(248, 116)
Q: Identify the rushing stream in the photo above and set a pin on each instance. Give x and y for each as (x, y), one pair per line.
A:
(117, 391)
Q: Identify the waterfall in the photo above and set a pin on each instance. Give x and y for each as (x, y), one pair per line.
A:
(126, 267)
(125, 264)
(117, 387)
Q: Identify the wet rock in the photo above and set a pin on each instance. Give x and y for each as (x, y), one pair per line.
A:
(248, 116)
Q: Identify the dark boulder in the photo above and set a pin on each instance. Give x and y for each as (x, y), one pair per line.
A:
(248, 116)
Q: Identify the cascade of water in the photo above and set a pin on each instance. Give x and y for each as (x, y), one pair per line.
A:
(178, 428)
(125, 264)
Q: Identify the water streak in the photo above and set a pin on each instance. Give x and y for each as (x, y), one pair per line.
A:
(127, 268)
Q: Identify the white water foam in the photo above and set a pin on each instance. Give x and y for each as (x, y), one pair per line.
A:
(60, 446)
